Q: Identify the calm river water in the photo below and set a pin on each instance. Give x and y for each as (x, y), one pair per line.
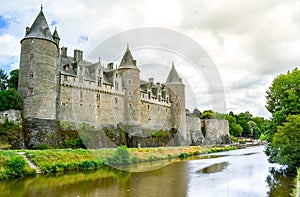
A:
(244, 172)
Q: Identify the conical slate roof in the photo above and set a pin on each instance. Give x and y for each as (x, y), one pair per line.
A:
(127, 60)
(173, 77)
(55, 34)
(40, 28)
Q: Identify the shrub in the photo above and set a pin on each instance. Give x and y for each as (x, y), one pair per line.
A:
(16, 166)
(183, 155)
(41, 147)
(121, 156)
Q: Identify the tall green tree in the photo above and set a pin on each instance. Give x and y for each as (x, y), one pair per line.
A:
(12, 81)
(286, 142)
(3, 79)
(283, 100)
(234, 128)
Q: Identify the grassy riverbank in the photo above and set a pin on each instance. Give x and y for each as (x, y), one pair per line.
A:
(296, 192)
(58, 160)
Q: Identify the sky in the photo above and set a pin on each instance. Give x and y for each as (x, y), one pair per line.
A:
(250, 42)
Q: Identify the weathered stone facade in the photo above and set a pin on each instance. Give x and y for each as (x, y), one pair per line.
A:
(57, 88)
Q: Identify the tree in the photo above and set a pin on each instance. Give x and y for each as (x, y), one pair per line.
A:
(243, 119)
(3, 79)
(9, 99)
(234, 128)
(207, 114)
(286, 142)
(283, 98)
(12, 82)
(283, 101)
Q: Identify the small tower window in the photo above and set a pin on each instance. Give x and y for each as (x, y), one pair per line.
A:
(129, 81)
(99, 81)
(148, 107)
(98, 97)
(31, 58)
(31, 74)
(116, 100)
(81, 96)
(149, 95)
(81, 79)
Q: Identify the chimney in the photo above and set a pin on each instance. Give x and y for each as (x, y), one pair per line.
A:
(27, 31)
(77, 55)
(151, 80)
(64, 51)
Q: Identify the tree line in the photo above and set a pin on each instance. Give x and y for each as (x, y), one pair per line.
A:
(9, 96)
(240, 125)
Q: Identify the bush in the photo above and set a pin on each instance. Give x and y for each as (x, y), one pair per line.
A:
(16, 166)
(121, 156)
(41, 147)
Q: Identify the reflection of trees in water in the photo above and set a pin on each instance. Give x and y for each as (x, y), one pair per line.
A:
(280, 182)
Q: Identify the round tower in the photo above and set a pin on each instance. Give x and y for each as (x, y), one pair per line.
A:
(38, 82)
(177, 97)
(131, 84)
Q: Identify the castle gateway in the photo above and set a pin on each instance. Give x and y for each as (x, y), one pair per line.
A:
(57, 89)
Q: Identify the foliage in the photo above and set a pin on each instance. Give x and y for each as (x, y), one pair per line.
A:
(234, 128)
(13, 165)
(220, 149)
(10, 99)
(41, 147)
(3, 79)
(283, 101)
(286, 142)
(207, 114)
(12, 82)
(121, 156)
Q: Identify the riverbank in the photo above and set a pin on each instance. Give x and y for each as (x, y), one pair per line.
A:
(13, 165)
(297, 182)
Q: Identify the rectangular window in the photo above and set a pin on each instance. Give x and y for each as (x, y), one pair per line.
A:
(129, 81)
(65, 78)
(81, 79)
(98, 97)
(74, 79)
(148, 107)
(116, 100)
(31, 74)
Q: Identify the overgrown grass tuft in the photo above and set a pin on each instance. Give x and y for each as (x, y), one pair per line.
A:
(13, 165)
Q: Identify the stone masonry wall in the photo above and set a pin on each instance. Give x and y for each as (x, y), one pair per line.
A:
(209, 131)
(11, 115)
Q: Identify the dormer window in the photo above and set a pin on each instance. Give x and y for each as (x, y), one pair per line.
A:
(67, 67)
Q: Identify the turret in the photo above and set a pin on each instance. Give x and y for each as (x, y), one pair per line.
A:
(56, 37)
(177, 97)
(38, 82)
(130, 75)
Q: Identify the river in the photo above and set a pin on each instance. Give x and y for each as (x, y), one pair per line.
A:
(244, 172)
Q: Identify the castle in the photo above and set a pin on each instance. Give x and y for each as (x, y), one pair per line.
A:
(56, 88)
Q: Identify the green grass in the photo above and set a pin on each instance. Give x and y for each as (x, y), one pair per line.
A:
(59, 160)
(13, 165)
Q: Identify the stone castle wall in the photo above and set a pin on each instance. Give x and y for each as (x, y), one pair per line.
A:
(11, 115)
(208, 131)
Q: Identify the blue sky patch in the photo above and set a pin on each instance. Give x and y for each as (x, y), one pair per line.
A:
(53, 23)
(6, 63)
(3, 24)
(83, 39)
